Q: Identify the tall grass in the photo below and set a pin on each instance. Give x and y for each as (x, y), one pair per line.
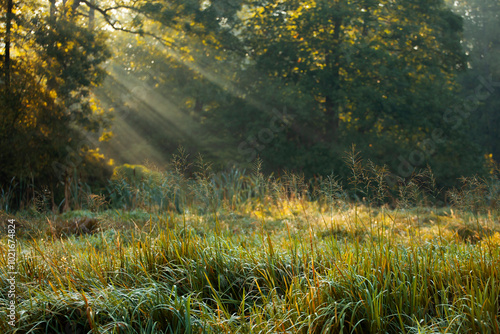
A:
(240, 252)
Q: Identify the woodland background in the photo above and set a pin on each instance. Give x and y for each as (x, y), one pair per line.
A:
(90, 85)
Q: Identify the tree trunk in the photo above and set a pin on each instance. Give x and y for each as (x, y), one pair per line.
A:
(74, 7)
(52, 9)
(91, 18)
(67, 193)
(8, 35)
(332, 118)
(198, 105)
(332, 107)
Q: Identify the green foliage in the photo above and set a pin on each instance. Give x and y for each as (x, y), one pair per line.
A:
(362, 72)
(293, 82)
(134, 174)
(135, 186)
(297, 83)
(205, 191)
(48, 108)
(69, 60)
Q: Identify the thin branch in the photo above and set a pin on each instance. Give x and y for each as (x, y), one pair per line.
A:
(116, 24)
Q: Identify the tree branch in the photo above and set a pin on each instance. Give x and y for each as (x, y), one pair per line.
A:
(116, 24)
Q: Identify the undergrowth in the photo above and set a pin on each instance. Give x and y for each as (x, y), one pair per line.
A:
(248, 253)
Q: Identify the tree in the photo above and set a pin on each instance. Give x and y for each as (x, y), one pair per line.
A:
(482, 46)
(47, 107)
(170, 76)
(8, 36)
(377, 73)
(297, 82)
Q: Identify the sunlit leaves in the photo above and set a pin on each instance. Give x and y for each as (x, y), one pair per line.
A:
(56, 62)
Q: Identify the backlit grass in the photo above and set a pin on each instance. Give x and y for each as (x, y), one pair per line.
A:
(266, 256)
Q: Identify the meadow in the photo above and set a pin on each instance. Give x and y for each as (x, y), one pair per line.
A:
(239, 252)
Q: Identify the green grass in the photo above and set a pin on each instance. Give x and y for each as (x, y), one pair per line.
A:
(244, 253)
(359, 270)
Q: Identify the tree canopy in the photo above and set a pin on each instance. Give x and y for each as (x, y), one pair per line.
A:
(293, 82)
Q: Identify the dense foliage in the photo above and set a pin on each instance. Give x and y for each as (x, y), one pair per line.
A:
(295, 83)
(46, 100)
